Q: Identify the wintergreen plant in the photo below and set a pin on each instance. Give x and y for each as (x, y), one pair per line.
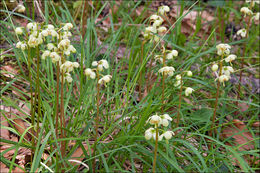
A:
(248, 14)
(153, 132)
(57, 50)
(95, 73)
(224, 73)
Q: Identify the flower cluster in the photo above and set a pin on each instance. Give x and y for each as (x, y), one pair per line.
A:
(151, 32)
(247, 11)
(178, 78)
(57, 51)
(157, 121)
(99, 66)
(226, 71)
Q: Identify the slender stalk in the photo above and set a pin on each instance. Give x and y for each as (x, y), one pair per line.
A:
(38, 90)
(62, 116)
(141, 75)
(155, 148)
(96, 124)
(242, 61)
(148, 86)
(179, 106)
(163, 81)
(57, 99)
(217, 96)
(32, 105)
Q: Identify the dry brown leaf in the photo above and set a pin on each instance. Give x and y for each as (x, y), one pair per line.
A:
(78, 153)
(240, 134)
(243, 107)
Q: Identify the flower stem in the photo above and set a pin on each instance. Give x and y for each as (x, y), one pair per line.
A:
(155, 148)
(242, 61)
(32, 105)
(179, 106)
(217, 96)
(62, 116)
(57, 99)
(163, 81)
(38, 91)
(96, 125)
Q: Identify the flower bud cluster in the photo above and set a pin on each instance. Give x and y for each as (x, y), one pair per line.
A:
(151, 32)
(157, 121)
(99, 66)
(226, 70)
(247, 11)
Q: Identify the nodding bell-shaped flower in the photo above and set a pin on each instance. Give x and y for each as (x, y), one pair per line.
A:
(157, 23)
(246, 11)
(101, 64)
(230, 58)
(178, 77)
(105, 79)
(172, 54)
(154, 120)
(242, 32)
(214, 67)
(252, 2)
(154, 17)
(158, 58)
(223, 78)
(163, 10)
(177, 83)
(64, 44)
(165, 118)
(167, 70)
(31, 26)
(162, 29)
(189, 73)
(68, 77)
(45, 54)
(168, 135)
(44, 33)
(223, 49)
(150, 133)
(18, 30)
(21, 45)
(90, 73)
(68, 66)
(51, 46)
(50, 27)
(227, 70)
(188, 91)
(20, 8)
(67, 26)
(55, 57)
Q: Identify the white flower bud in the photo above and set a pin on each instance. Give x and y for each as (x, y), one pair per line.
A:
(174, 53)
(18, 44)
(50, 27)
(189, 73)
(214, 67)
(223, 49)
(20, 8)
(188, 91)
(18, 30)
(44, 33)
(177, 83)
(105, 79)
(45, 54)
(149, 133)
(157, 23)
(178, 77)
(51, 46)
(31, 26)
(256, 17)
(165, 118)
(23, 46)
(76, 65)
